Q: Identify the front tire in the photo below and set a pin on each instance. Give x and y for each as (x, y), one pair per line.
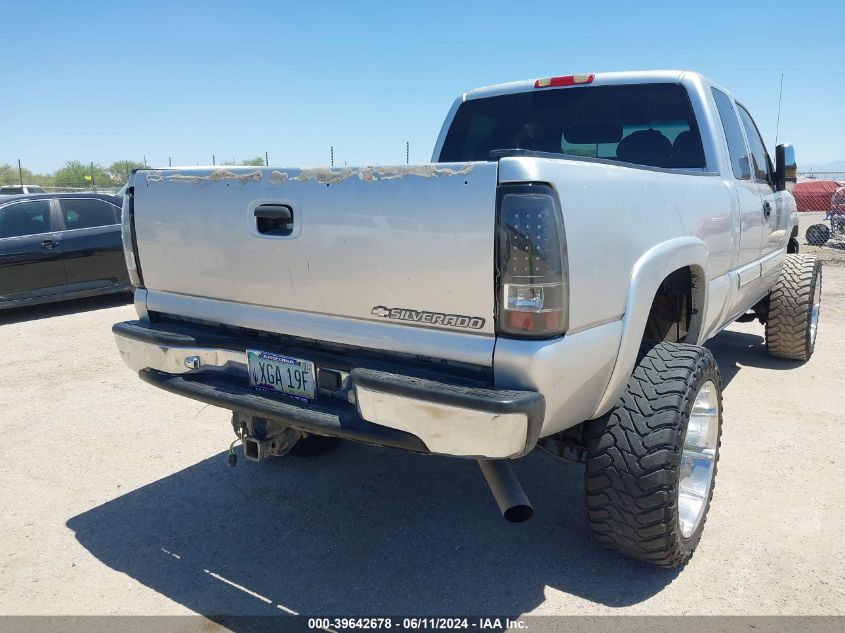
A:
(651, 462)
(794, 307)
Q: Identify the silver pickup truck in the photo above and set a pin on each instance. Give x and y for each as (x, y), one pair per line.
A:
(548, 280)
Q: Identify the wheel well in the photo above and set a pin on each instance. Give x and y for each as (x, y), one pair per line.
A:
(676, 311)
(792, 245)
(676, 315)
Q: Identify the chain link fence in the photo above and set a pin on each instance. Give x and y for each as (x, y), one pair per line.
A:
(820, 197)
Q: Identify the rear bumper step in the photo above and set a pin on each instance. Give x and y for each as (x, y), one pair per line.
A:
(227, 394)
(415, 411)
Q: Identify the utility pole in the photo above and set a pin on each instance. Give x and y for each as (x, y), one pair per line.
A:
(20, 172)
(93, 184)
(169, 162)
(266, 159)
(145, 160)
(213, 160)
(332, 155)
(407, 151)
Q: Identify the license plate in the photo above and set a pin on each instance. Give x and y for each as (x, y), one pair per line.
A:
(283, 374)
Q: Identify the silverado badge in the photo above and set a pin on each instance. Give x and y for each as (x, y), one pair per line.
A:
(434, 318)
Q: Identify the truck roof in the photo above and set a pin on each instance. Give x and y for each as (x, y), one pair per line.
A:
(600, 79)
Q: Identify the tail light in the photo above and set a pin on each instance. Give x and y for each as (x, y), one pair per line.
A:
(532, 276)
(565, 80)
(130, 245)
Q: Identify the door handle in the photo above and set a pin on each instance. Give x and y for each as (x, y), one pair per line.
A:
(767, 208)
(49, 244)
(274, 219)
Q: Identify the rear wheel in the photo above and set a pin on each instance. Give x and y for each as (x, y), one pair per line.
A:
(817, 234)
(794, 307)
(651, 462)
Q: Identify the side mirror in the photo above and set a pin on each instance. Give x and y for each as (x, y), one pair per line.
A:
(786, 171)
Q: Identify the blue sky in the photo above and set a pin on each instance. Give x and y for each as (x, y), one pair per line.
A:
(185, 80)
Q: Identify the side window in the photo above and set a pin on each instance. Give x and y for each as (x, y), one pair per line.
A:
(84, 213)
(25, 218)
(733, 135)
(759, 156)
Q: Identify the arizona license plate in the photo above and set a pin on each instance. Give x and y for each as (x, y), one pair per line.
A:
(273, 372)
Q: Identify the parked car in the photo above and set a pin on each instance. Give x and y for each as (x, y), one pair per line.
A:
(7, 191)
(549, 279)
(60, 246)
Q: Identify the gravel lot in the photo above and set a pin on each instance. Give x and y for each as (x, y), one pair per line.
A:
(116, 499)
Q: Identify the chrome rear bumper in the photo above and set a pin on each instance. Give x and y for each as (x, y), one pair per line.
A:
(415, 411)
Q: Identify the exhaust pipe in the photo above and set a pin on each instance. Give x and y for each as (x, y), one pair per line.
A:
(507, 490)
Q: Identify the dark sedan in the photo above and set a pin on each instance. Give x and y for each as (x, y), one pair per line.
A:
(60, 246)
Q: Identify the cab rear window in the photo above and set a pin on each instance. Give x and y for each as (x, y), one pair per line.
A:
(643, 124)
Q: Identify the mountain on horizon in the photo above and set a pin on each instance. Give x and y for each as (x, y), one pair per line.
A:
(834, 165)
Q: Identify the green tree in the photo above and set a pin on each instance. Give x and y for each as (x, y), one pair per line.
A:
(76, 174)
(9, 175)
(257, 161)
(119, 171)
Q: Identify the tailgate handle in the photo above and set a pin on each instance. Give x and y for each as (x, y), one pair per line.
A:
(274, 219)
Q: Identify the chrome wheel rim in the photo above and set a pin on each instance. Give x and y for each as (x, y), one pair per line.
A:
(814, 312)
(698, 458)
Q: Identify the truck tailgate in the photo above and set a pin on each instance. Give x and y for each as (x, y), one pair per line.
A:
(397, 247)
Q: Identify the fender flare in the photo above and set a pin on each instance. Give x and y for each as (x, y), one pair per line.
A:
(647, 274)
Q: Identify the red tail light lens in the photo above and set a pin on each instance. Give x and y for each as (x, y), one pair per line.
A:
(532, 276)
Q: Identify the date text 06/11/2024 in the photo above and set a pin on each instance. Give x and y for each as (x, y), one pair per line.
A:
(422, 623)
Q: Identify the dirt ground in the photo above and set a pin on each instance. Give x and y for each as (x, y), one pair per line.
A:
(117, 499)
